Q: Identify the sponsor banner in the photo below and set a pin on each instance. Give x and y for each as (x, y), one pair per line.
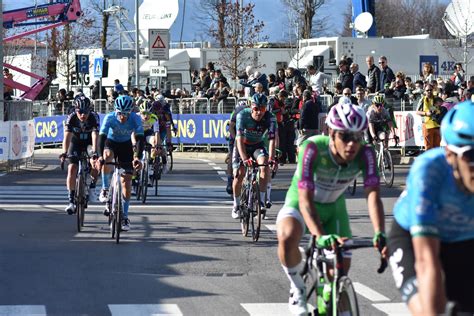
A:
(22, 139)
(201, 128)
(4, 141)
(410, 129)
(49, 129)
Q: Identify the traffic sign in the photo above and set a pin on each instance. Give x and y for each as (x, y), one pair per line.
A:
(82, 64)
(98, 67)
(158, 44)
(158, 71)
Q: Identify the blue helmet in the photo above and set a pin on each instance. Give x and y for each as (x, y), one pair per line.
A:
(457, 127)
(124, 104)
(259, 99)
(82, 103)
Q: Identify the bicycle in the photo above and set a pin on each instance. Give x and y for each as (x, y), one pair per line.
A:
(169, 157)
(141, 187)
(81, 196)
(250, 204)
(114, 202)
(157, 166)
(342, 296)
(385, 161)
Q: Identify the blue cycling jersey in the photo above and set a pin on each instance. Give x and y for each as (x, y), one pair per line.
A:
(433, 203)
(121, 132)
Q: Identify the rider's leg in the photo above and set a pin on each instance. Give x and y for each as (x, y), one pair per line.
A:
(127, 192)
(71, 180)
(237, 184)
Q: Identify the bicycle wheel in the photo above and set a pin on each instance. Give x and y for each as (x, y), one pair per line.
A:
(137, 187)
(311, 283)
(169, 160)
(158, 169)
(118, 214)
(79, 197)
(144, 181)
(389, 173)
(346, 297)
(110, 205)
(244, 212)
(256, 212)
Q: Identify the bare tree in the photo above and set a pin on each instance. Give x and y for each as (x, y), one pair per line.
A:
(100, 7)
(306, 11)
(210, 15)
(241, 32)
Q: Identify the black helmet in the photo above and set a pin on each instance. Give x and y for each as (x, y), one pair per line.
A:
(82, 103)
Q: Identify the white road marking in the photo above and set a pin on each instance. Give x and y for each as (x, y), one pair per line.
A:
(368, 293)
(217, 168)
(2, 174)
(60, 206)
(144, 309)
(393, 309)
(220, 172)
(204, 160)
(19, 310)
(224, 178)
(212, 164)
(272, 227)
(262, 309)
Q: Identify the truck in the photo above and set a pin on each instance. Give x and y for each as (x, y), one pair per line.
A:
(407, 54)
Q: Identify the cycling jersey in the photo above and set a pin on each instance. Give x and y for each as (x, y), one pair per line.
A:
(432, 203)
(251, 130)
(317, 170)
(121, 132)
(151, 124)
(379, 119)
(163, 112)
(82, 130)
(233, 115)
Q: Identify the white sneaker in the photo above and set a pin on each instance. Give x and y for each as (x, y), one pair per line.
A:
(235, 212)
(297, 302)
(70, 209)
(103, 195)
(125, 224)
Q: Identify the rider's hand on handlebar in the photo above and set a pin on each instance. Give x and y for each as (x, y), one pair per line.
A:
(380, 242)
(62, 157)
(137, 164)
(248, 162)
(273, 164)
(329, 241)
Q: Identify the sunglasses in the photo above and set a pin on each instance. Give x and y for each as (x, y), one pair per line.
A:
(80, 111)
(465, 152)
(378, 105)
(347, 94)
(123, 114)
(381, 62)
(259, 108)
(145, 113)
(347, 137)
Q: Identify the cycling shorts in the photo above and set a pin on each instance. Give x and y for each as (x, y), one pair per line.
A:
(255, 151)
(456, 262)
(123, 152)
(75, 150)
(333, 217)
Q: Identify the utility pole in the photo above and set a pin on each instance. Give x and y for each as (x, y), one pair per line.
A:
(137, 47)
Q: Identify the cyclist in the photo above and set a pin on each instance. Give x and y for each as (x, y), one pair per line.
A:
(162, 110)
(233, 119)
(380, 121)
(251, 125)
(151, 127)
(80, 131)
(327, 165)
(119, 130)
(432, 236)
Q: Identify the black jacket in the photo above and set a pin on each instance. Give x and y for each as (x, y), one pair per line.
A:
(373, 79)
(309, 115)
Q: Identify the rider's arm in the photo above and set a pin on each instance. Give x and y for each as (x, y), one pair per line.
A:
(67, 141)
(138, 137)
(372, 130)
(95, 137)
(240, 137)
(428, 274)
(272, 136)
(306, 161)
(232, 130)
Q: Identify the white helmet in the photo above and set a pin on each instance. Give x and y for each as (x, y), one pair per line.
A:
(347, 117)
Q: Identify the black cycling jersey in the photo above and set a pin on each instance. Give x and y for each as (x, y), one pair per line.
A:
(82, 130)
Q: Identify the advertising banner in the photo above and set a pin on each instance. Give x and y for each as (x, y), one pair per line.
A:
(4, 141)
(22, 139)
(201, 128)
(49, 129)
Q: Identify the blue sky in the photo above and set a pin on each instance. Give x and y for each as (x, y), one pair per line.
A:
(270, 11)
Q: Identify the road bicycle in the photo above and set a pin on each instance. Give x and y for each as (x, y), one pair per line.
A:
(385, 161)
(141, 187)
(81, 196)
(114, 202)
(250, 204)
(341, 297)
(157, 166)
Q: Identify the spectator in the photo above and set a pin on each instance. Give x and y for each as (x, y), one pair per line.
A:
(428, 73)
(272, 81)
(292, 77)
(98, 92)
(7, 90)
(118, 86)
(277, 105)
(316, 79)
(373, 75)
(427, 109)
(280, 78)
(345, 76)
(458, 77)
(399, 89)
(386, 73)
(244, 78)
(449, 99)
(359, 79)
(309, 118)
(362, 99)
(204, 80)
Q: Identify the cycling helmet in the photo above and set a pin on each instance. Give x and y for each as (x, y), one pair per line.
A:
(160, 98)
(378, 99)
(145, 106)
(344, 100)
(241, 103)
(259, 99)
(347, 117)
(82, 103)
(124, 104)
(457, 127)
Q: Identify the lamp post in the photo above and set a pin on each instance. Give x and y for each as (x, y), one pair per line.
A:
(137, 47)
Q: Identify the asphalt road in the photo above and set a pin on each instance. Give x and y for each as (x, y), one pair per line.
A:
(185, 255)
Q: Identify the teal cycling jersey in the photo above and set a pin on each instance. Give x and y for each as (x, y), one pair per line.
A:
(253, 131)
(121, 132)
(433, 204)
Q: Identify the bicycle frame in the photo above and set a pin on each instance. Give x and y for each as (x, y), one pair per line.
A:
(115, 201)
(81, 188)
